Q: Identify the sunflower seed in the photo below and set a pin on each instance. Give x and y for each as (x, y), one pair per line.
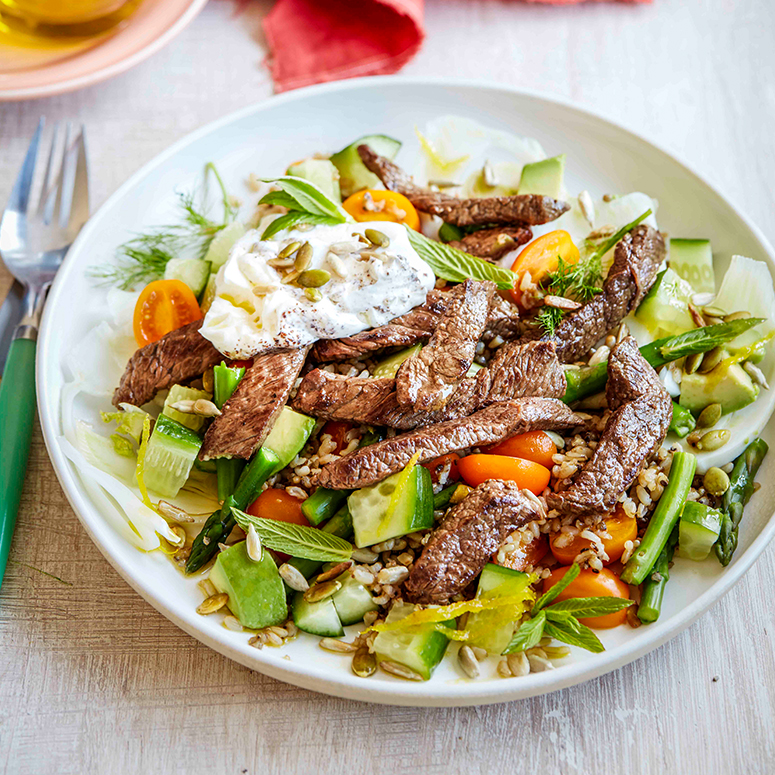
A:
(258, 640)
(702, 299)
(364, 663)
(338, 267)
(503, 669)
(272, 638)
(601, 354)
(201, 406)
(264, 290)
(393, 575)
(518, 664)
(623, 332)
(332, 573)
(338, 646)
(322, 591)
(281, 263)
(709, 416)
(377, 238)
(756, 374)
(539, 664)
(281, 632)
(587, 207)
(290, 248)
(364, 555)
(291, 277)
(394, 668)
(479, 653)
(560, 302)
(213, 603)
(468, 662)
(232, 623)
(293, 577)
(488, 175)
(170, 511)
(253, 544)
(697, 318)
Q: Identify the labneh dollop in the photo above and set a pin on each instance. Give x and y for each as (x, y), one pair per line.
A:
(254, 309)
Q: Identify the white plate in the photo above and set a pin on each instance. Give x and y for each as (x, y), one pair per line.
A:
(602, 157)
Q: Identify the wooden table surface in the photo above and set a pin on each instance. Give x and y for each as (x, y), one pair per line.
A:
(92, 679)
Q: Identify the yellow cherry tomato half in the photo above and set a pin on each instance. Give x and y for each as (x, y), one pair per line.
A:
(589, 583)
(542, 256)
(163, 306)
(476, 469)
(382, 206)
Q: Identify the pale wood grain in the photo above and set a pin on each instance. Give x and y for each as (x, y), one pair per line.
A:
(92, 679)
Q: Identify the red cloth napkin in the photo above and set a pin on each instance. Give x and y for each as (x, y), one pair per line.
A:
(313, 41)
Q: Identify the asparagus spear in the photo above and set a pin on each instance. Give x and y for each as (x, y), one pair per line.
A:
(220, 523)
(654, 586)
(741, 488)
(225, 380)
(663, 520)
(683, 421)
(586, 382)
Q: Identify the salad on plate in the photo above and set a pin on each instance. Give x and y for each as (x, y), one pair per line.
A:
(459, 412)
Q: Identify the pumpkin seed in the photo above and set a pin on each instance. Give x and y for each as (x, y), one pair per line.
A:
(303, 257)
(319, 592)
(742, 315)
(281, 263)
(313, 294)
(314, 278)
(377, 238)
(289, 249)
(213, 603)
(711, 359)
(692, 362)
(715, 481)
(364, 663)
(714, 312)
(291, 277)
(713, 440)
(332, 573)
(709, 416)
(394, 668)
(467, 661)
(293, 577)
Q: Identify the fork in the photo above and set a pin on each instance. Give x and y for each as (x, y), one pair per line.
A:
(33, 243)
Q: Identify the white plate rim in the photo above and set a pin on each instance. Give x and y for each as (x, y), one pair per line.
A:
(346, 685)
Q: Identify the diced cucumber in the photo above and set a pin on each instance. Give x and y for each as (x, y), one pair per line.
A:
(698, 530)
(400, 504)
(322, 173)
(208, 295)
(488, 630)
(420, 649)
(192, 271)
(171, 452)
(289, 435)
(543, 177)
(353, 175)
(225, 379)
(388, 367)
(664, 310)
(256, 591)
(353, 600)
(318, 618)
(222, 243)
(180, 393)
(692, 259)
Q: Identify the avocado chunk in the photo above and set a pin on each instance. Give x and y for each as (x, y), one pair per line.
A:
(321, 172)
(544, 177)
(692, 259)
(289, 435)
(729, 386)
(665, 308)
(353, 175)
(256, 591)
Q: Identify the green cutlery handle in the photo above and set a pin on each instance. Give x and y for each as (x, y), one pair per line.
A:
(17, 414)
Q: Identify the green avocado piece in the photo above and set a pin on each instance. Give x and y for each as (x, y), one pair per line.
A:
(543, 177)
(256, 591)
(729, 386)
(322, 173)
(289, 435)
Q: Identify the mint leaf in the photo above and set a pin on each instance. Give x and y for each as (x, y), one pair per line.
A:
(454, 265)
(289, 220)
(280, 198)
(583, 607)
(527, 634)
(308, 543)
(574, 633)
(309, 198)
(547, 597)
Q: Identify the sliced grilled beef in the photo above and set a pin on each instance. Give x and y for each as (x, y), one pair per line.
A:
(526, 209)
(633, 433)
(470, 534)
(636, 260)
(491, 244)
(517, 371)
(427, 380)
(179, 356)
(416, 326)
(249, 415)
(487, 426)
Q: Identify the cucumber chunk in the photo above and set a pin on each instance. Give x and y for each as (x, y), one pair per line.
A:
(256, 591)
(318, 618)
(222, 243)
(665, 308)
(208, 295)
(400, 504)
(171, 452)
(192, 271)
(698, 530)
(388, 367)
(180, 393)
(353, 175)
(692, 259)
(353, 600)
(420, 649)
(289, 435)
(322, 173)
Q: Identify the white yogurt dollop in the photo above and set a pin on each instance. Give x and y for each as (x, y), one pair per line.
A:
(369, 286)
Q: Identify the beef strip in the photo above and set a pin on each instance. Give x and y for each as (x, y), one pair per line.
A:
(177, 357)
(633, 433)
(470, 534)
(492, 244)
(517, 371)
(636, 260)
(487, 426)
(415, 326)
(427, 380)
(525, 209)
(249, 415)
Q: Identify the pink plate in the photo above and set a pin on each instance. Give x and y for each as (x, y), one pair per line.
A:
(154, 24)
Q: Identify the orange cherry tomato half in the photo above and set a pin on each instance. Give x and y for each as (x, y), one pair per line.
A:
(593, 584)
(476, 469)
(437, 465)
(235, 364)
(619, 526)
(338, 431)
(278, 505)
(163, 306)
(542, 256)
(527, 556)
(533, 445)
(396, 207)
